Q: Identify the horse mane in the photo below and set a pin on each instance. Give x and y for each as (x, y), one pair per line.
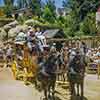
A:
(78, 67)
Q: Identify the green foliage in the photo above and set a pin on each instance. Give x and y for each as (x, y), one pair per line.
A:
(82, 7)
(49, 11)
(47, 15)
(8, 10)
(36, 6)
(8, 7)
(88, 26)
(9, 2)
(79, 21)
(21, 20)
(82, 17)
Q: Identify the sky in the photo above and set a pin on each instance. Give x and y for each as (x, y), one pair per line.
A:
(1, 2)
(57, 2)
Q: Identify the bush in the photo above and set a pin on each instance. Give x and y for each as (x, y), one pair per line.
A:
(21, 20)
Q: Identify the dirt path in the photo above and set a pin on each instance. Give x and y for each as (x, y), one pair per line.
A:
(92, 87)
(16, 90)
(6, 74)
(11, 89)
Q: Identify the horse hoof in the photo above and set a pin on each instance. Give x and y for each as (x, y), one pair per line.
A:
(78, 95)
(45, 99)
(81, 98)
(49, 96)
(53, 98)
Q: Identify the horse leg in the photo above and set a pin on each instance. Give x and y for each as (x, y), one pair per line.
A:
(78, 89)
(49, 87)
(53, 87)
(36, 81)
(61, 77)
(58, 77)
(82, 90)
(64, 77)
(72, 85)
(45, 93)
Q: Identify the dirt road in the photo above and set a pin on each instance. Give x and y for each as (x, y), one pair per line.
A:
(11, 89)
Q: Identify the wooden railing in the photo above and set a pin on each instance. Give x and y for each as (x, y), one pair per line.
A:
(91, 41)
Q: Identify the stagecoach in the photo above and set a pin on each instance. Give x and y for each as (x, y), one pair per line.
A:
(25, 67)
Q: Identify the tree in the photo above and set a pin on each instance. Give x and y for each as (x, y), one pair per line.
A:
(82, 13)
(36, 6)
(9, 2)
(88, 26)
(82, 7)
(9, 5)
(49, 11)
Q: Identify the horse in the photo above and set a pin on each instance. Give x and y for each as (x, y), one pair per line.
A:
(62, 65)
(47, 76)
(76, 72)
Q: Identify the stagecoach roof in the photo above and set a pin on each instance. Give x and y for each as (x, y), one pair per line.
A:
(51, 33)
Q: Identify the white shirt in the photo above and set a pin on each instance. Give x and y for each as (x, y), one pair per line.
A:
(38, 33)
(9, 52)
(98, 53)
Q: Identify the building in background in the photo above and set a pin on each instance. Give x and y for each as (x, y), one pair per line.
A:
(62, 11)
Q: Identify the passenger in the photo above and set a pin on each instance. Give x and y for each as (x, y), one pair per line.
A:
(40, 39)
(9, 53)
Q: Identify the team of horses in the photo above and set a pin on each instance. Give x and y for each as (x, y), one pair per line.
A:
(58, 65)
(53, 66)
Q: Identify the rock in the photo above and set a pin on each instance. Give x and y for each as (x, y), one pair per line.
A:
(13, 24)
(4, 21)
(14, 31)
(7, 28)
(32, 22)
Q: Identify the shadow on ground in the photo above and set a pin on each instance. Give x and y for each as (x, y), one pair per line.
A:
(54, 98)
(57, 98)
(65, 87)
(77, 98)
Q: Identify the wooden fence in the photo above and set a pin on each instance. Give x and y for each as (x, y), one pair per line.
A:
(90, 41)
(93, 41)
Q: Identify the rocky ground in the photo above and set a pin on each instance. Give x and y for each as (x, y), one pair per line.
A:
(16, 90)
